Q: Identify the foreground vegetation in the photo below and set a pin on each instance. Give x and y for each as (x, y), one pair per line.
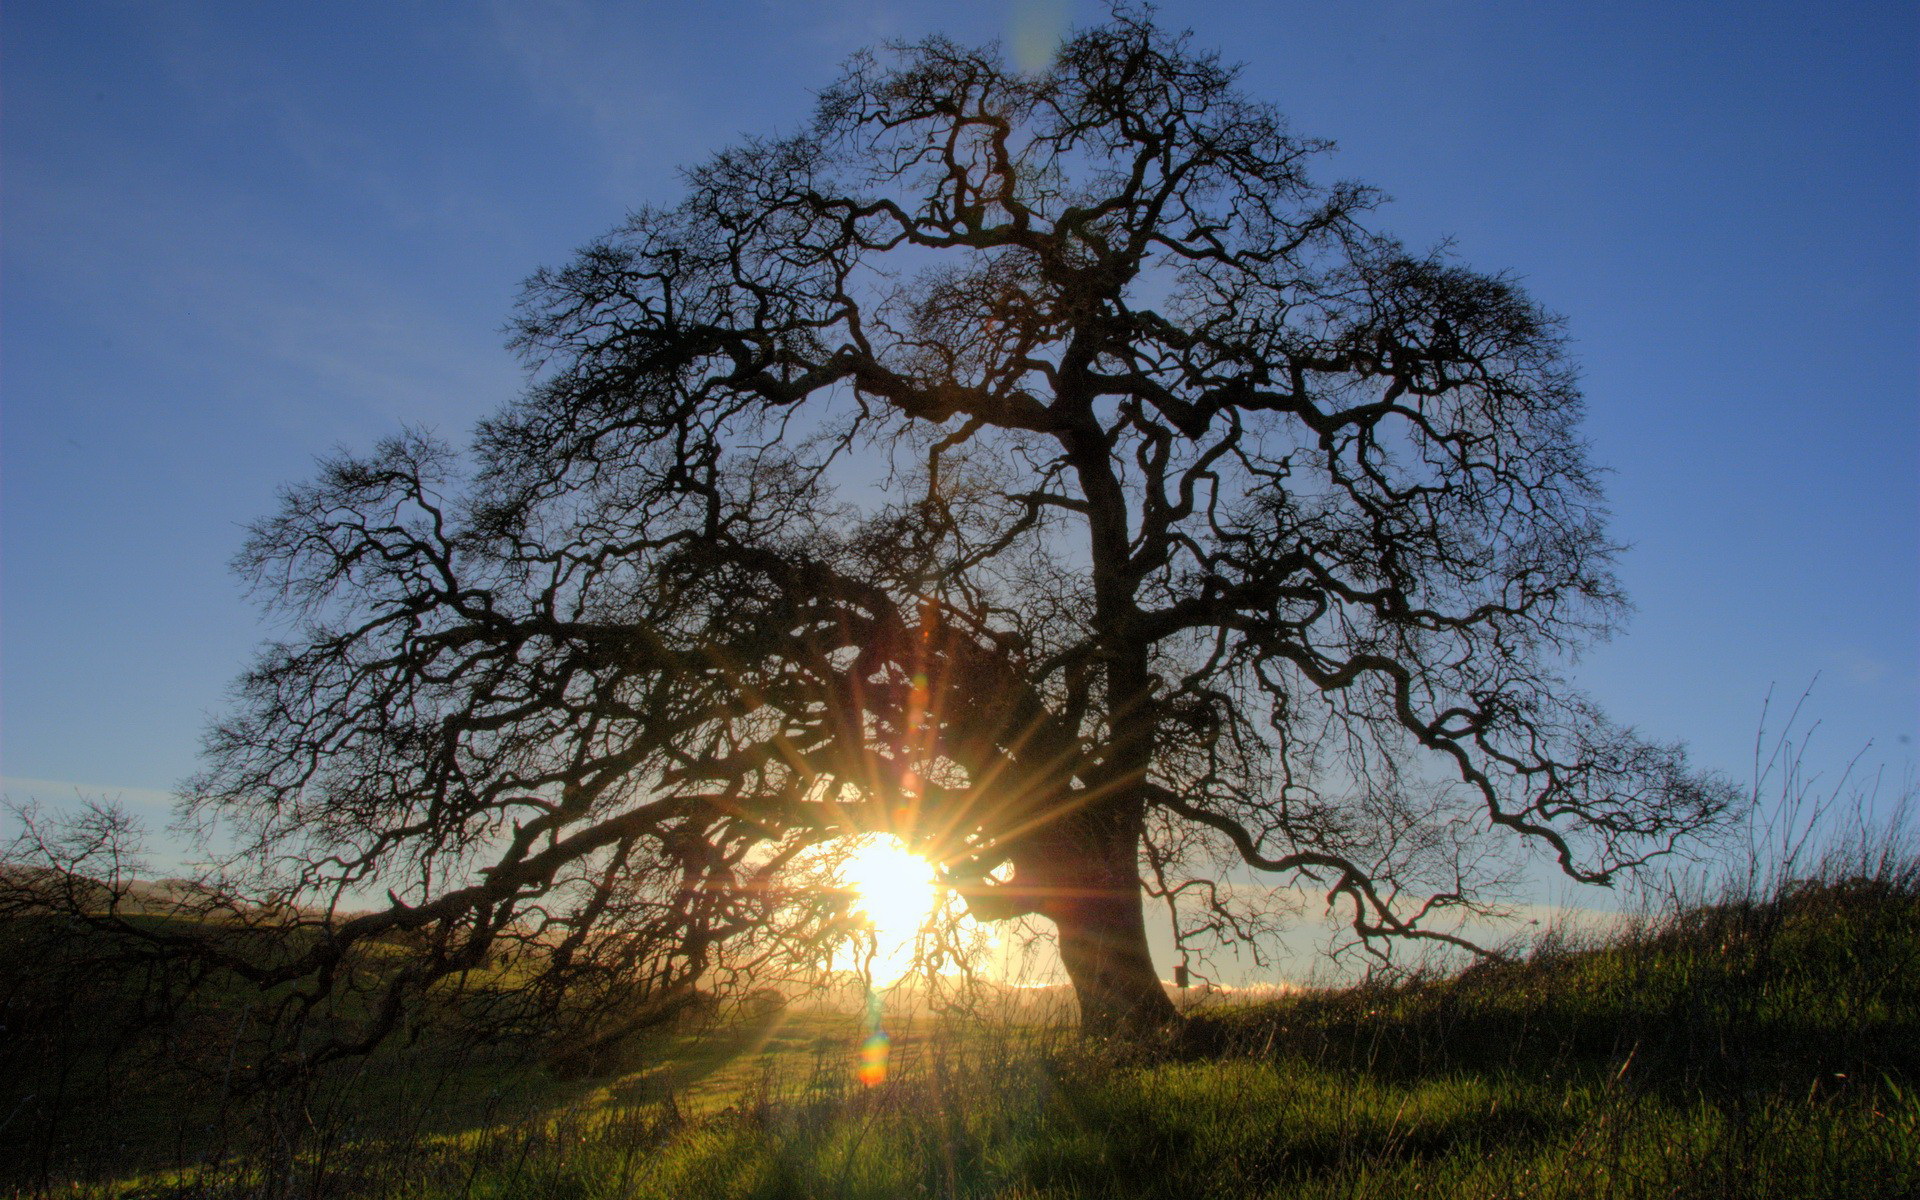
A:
(1766, 1045)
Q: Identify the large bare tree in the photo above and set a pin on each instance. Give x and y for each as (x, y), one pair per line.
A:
(1041, 467)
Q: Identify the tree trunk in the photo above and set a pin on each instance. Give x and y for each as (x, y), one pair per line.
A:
(1092, 895)
(1103, 942)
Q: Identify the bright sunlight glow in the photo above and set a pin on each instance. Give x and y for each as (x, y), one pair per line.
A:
(896, 893)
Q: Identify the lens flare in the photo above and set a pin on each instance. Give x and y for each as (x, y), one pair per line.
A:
(874, 1052)
(1038, 26)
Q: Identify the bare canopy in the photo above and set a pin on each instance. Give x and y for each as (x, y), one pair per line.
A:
(1042, 467)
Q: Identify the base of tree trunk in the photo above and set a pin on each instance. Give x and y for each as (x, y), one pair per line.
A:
(1103, 943)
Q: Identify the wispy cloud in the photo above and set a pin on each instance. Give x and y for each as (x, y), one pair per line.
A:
(606, 73)
(228, 302)
(146, 803)
(161, 851)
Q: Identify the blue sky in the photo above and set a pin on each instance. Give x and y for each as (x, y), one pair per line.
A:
(238, 236)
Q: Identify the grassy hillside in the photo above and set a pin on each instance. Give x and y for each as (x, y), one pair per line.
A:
(1763, 1046)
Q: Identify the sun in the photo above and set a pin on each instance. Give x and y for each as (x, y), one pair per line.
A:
(896, 892)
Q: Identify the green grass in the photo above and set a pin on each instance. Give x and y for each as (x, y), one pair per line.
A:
(1764, 1047)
